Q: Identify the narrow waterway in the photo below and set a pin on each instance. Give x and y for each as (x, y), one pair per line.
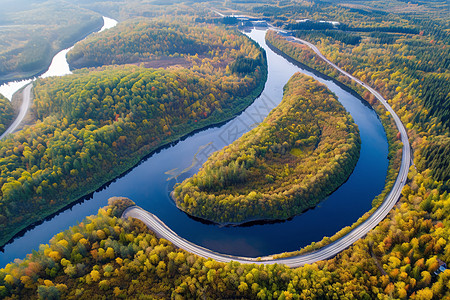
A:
(150, 182)
(58, 66)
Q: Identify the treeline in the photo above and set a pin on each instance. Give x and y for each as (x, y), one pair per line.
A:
(225, 20)
(411, 243)
(95, 124)
(309, 25)
(6, 113)
(144, 41)
(299, 154)
(345, 37)
(410, 71)
(116, 258)
(135, 41)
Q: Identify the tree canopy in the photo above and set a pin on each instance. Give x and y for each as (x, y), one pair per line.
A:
(305, 148)
(97, 123)
(6, 113)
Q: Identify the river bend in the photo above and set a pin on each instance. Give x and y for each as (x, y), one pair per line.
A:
(150, 183)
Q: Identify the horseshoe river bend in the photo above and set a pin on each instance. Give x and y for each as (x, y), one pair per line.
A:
(150, 182)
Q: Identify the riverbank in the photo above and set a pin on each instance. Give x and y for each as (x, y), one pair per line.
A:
(302, 57)
(349, 235)
(150, 183)
(43, 66)
(128, 162)
(302, 152)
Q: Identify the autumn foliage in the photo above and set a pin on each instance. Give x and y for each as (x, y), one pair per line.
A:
(6, 113)
(97, 123)
(299, 154)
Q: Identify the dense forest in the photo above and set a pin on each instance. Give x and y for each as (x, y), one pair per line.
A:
(399, 68)
(305, 148)
(105, 256)
(123, 259)
(143, 41)
(407, 69)
(96, 124)
(32, 32)
(6, 113)
(435, 156)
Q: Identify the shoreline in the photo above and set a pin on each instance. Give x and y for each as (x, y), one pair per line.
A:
(124, 169)
(388, 126)
(19, 76)
(266, 219)
(330, 247)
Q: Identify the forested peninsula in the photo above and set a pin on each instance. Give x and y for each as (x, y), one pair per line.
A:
(302, 151)
(98, 123)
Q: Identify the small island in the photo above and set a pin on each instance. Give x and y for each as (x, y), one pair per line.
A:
(305, 149)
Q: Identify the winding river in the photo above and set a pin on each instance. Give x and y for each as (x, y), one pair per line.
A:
(149, 183)
(58, 66)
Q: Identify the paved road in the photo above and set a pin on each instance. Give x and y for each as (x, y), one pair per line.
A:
(329, 251)
(22, 113)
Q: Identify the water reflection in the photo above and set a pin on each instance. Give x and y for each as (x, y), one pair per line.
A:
(147, 184)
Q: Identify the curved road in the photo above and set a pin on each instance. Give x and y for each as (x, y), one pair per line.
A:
(329, 251)
(22, 113)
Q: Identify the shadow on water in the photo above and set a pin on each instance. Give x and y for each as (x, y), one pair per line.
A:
(124, 174)
(148, 183)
